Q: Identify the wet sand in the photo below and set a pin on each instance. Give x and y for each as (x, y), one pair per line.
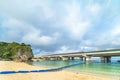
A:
(58, 75)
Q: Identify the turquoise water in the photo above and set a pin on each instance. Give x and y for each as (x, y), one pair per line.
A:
(107, 69)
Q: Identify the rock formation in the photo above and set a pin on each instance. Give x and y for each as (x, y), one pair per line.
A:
(15, 51)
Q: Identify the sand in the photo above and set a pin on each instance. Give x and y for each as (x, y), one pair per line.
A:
(58, 75)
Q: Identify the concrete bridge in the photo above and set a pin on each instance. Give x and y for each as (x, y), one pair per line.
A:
(105, 55)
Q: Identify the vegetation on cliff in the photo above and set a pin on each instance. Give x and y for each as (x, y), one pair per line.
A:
(15, 51)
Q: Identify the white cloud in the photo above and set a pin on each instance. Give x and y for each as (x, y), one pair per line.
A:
(94, 9)
(116, 30)
(74, 21)
(26, 10)
(13, 29)
(12, 23)
(35, 38)
(108, 3)
(115, 35)
(62, 26)
(87, 48)
(65, 49)
(109, 38)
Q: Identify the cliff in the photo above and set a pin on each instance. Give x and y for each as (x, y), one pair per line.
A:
(15, 51)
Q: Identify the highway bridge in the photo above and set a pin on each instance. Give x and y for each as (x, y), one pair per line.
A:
(105, 55)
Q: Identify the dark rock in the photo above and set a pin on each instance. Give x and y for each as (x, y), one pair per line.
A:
(23, 56)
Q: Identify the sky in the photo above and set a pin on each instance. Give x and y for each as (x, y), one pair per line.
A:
(58, 26)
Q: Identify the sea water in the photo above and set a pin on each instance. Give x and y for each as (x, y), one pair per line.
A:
(95, 67)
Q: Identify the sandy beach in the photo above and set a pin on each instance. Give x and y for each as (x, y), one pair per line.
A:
(58, 75)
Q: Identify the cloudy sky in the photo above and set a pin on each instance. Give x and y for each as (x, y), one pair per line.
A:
(56, 26)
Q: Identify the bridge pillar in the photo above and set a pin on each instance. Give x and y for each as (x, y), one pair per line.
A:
(65, 58)
(106, 59)
(58, 58)
(88, 59)
(45, 58)
(71, 58)
(102, 59)
(81, 58)
(48, 58)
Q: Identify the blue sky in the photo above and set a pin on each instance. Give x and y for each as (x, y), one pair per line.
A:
(56, 26)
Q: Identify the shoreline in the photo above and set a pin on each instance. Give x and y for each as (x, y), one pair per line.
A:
(58, 75)
(86, 73)
(113, 76)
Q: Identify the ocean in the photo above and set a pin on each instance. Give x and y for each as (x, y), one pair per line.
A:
(111, 69)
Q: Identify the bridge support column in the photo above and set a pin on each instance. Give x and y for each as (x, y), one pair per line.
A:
(46, 58)
(81, 58)
(106, 59)
(88, 59)
(58, 58)
(65, 58)
(102, 59)
(71, 58)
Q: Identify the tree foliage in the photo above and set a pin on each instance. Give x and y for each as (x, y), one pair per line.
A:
(9, 50)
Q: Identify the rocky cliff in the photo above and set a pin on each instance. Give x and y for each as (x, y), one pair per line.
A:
(15, 51)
